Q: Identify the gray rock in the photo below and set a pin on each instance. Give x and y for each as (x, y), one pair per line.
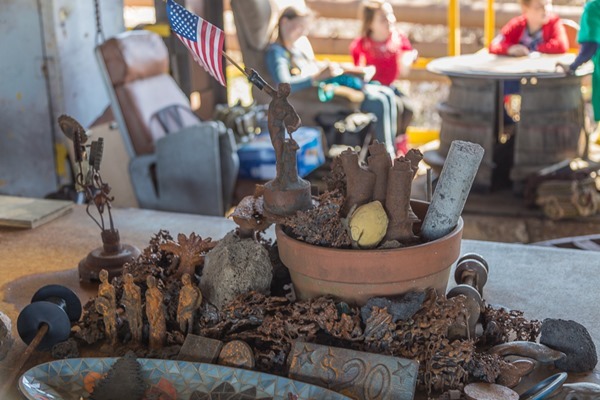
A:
(234, 267)
(572, 339)
(400, 307)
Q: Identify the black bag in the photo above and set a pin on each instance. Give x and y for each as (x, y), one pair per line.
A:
(347, 128)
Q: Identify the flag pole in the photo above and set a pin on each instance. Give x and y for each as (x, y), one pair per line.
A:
(234, 63)
(251, 74)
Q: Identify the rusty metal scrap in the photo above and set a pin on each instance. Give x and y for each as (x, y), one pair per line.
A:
(445, 365)
(270, 325)
(322, 225)
(501, 325)
(190, 251)
(486, 367)
(336, 180)
(380, 330)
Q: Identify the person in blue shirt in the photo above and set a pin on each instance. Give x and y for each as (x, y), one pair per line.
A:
(290, 59)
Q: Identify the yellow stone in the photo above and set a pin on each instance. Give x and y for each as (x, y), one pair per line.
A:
(368, 225)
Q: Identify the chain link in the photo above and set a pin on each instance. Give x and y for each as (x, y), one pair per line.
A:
(99, 32)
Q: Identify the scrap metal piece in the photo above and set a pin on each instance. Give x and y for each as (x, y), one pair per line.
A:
(96, 150)
(356, 374)
(200, 349)
(539, 352)
(249, 214)
(72, 129)
(189, 250)
(237, 354)
(485, 391)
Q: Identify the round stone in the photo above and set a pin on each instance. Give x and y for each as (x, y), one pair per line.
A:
(489, 391)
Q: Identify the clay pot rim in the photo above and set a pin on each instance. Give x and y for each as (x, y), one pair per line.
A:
(370, 266)
(459, 226)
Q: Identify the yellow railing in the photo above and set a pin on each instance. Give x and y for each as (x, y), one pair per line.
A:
(453, 27)
(489, 25)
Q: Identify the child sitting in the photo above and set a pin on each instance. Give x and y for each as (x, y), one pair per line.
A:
(537, 29)
(389, 51)
(290, 58)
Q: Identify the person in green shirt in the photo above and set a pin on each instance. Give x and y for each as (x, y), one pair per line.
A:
(589, 41)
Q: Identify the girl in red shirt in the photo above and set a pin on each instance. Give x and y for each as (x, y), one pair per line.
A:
(388, 50)
(537, 29)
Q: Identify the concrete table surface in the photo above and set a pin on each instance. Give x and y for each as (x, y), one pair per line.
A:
(542, 282)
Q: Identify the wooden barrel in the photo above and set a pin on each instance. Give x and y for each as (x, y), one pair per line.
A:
(469, 114)
(551, 126)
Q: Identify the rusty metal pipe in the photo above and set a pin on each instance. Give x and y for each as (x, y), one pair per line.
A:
(23, 359)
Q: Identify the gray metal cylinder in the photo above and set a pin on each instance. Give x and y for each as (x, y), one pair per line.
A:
(452, 189)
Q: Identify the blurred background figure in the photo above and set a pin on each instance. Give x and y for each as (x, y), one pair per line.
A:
(290, 58)
(388, 50)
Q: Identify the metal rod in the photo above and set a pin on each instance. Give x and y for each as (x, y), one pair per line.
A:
(23, 359)
(429, 187)
(234, 63)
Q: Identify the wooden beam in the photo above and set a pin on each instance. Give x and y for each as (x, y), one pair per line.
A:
(428, 12)
(326, 45)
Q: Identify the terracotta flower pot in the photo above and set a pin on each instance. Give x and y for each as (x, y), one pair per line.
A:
(355, 276)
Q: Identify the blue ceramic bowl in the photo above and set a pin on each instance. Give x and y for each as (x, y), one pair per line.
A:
(65, 379)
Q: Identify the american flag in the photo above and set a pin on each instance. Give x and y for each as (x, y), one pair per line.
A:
(203, 39)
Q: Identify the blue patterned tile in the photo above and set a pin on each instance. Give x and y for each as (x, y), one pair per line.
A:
(66, 376)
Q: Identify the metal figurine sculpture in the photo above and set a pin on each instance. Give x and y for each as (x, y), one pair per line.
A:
(281, 118)
(106, 305)
(155, 312)
(287, 193)
(112, 255)
(190, 299)
(132, 301)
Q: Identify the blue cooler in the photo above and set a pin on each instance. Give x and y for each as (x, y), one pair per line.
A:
(257, 158)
